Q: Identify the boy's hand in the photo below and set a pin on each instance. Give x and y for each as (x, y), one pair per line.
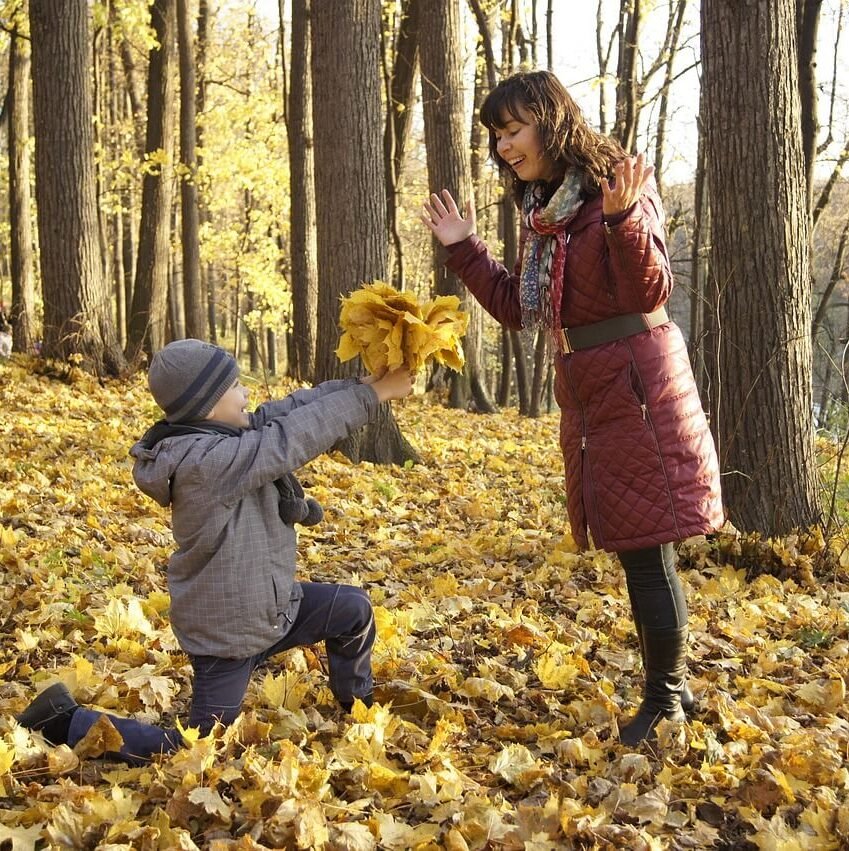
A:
(394, 385)
(372, 377)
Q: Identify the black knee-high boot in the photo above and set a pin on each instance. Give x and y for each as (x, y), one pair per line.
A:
(665, 654)
(688, 701)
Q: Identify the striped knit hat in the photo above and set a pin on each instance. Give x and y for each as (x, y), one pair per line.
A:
(188, 377)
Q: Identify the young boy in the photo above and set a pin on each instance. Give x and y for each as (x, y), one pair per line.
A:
(234, 599)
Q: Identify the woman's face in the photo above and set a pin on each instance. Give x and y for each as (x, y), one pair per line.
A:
(518, 143)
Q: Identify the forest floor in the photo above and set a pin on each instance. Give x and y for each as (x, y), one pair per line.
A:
(505, 660)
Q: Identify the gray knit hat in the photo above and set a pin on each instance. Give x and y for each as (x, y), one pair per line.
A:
(188, 377)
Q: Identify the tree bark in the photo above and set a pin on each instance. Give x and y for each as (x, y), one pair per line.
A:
(352, 246)
(115, 223)
(193, 296)
(673, 37)
(147, 321)
(304, 272)
(20, 203)
(207, 269)
(627, 106)
(702, 345)
(833, 281)
(448, 167)
(756, 170)
(400, 100)
(77, 315)
(807, 22)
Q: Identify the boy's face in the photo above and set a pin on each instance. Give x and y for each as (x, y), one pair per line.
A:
(230, 408)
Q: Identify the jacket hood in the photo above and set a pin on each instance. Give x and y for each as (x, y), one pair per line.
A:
(154, 467)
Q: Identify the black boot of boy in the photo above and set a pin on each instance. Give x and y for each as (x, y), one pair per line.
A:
(50, 713)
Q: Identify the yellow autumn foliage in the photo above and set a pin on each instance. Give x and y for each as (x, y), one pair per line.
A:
(389, 329)
(505, 660)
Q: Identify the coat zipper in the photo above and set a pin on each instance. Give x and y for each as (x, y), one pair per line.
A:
(585, 456)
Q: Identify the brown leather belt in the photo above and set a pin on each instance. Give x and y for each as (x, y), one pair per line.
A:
(608, 330)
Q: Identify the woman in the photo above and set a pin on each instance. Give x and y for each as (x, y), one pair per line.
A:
(641, 468)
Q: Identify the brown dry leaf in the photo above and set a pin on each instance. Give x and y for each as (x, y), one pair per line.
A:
(62, 760)
(212, 803)
(101, 738)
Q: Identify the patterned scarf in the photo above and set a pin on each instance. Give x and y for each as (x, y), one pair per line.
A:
(541, 278)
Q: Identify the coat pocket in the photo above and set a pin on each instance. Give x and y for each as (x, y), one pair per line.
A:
(637, 391)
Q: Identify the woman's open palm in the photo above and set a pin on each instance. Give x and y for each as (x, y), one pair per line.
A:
(631, 178)
(443, 217)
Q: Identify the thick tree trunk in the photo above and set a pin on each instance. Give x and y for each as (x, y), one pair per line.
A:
(77, 315)
(20, 205)
(147, 321)
(193, 296)
(756, 169)
(448, 168)
(347, 122)
(304, 273)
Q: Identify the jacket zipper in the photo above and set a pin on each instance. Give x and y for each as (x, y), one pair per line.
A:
(585, 456)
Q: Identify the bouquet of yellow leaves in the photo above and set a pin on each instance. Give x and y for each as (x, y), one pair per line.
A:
(389, 329)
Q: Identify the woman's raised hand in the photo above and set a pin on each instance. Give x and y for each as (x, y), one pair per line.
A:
(443, 218)
(631, 176)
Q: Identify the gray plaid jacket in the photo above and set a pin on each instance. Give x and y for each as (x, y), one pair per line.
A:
(232, 578)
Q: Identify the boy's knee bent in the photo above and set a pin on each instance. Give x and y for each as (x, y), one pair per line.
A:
(354, 610)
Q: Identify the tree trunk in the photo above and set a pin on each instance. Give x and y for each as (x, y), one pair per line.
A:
(77, 316)
(505, 382)
(115, 224)
(207, 269)
(756, 169)
(401, 97)
(833, 281)
(347, 122)
(147, 321)
(193, 297)
(673, 37)
(304, 273)
(448, 167)
(20, 205)
(540, 372)
(702, 345)
(100, 118)
(807, 23)
(627, 105)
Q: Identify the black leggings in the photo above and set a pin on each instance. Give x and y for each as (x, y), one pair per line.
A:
(657, 598)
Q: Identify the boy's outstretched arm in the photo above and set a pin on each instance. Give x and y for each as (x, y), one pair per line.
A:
(237, 465)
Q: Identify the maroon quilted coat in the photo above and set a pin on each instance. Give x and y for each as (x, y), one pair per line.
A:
(641, 468)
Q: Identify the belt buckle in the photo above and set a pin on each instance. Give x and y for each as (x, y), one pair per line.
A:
(565, 345)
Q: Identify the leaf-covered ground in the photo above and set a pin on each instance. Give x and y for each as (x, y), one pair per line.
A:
(505, 661)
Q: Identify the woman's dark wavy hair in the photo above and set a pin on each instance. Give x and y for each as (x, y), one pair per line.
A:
(566, 137)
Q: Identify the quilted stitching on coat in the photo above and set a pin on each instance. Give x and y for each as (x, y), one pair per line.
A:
(649, 472)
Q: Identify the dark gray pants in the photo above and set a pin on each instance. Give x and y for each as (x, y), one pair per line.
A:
(339, 615)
